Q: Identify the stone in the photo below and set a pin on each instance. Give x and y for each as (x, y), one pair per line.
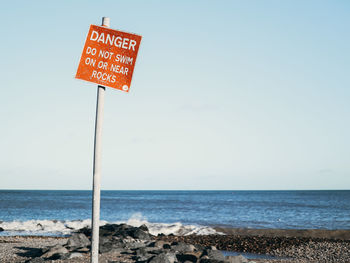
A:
(183, 247)
(159, 244)
(163, 258)
(144, 228)
(82, 250)
(75, 255)
(112, 246)
(134, 244)
(78, 240)
(208, 260)
(139, 234)
(214, 254)
(61, 256)
(55, 250)
(236, 259)
(187, 257)
(1, 229)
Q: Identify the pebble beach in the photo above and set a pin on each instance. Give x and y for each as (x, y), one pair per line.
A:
(123, 243)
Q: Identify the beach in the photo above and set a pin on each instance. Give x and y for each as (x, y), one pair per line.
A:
(262, 226)
(256, 245)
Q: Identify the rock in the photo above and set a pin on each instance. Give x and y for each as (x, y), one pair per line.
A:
(124, 230)
(144, 228)
(134, 245)
(208, 260)
(139, 234)
(183, 247)
(166, 246)
(61, 256)
(187, 257)
(142, 255)
(214, 254)
(82, 250)
(75, 255)
(1, 229)
(159, 244)
(54, 252)
(163, 258)
(78, 241)
(112, 246)
(236, 259)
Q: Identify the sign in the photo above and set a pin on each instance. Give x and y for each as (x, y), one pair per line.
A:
(109, 57)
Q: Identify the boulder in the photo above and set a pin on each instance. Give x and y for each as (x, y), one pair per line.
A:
(160, 244)
(144, 228)
(163, 258)
(214, 254)
(111, 246)
(138, 233)
(187, 257)
(55, 252)
(1, 229)
(183, 247)
(78, 241)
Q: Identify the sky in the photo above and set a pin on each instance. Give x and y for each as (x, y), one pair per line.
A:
(236, 95)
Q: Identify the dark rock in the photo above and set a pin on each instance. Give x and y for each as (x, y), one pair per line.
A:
(124, 230)
(111, 246)
(166, 246)
(139, 234)
(182, 247)
(55, 252)
(85, 230)
(159, 244)
(142, 255)
(1, 229)
(144, 228)
(208, 260)
(61, 256)
(78, 241)
(163, 258)
(186, 257)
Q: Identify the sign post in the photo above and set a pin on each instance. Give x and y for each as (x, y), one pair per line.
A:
(108, 59)
(96, 185)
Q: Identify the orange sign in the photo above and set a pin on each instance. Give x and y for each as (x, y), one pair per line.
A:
(109, 57)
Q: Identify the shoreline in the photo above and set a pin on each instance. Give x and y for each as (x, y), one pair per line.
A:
(280, 245)
(341, 234)
(338, 234)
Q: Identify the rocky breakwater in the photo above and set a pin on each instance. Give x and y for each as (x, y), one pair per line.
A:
(124, 243)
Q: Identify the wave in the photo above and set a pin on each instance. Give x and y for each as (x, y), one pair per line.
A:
(66, 227)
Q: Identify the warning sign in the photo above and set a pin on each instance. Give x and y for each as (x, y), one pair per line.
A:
(109, 57)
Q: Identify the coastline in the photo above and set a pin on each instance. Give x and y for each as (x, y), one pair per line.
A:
(279, 245)
(342, 234)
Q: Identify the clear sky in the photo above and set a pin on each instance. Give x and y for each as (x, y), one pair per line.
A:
(225, 95)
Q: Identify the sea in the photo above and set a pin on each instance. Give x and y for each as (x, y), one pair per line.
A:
(59, 212)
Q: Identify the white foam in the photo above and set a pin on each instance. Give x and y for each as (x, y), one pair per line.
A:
(62, 227)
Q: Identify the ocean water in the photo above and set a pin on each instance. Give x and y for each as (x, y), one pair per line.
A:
(179, 212)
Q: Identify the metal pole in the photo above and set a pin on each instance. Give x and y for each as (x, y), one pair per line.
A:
(97, 168)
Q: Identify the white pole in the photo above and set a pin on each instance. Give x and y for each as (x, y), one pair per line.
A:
(97, 167)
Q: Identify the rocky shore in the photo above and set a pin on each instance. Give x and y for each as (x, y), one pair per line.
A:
(124, 243)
